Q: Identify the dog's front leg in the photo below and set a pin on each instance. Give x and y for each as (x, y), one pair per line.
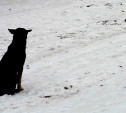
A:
(19, 83)
(19, 86)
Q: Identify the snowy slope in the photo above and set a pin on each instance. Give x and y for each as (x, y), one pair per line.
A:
(76, 55)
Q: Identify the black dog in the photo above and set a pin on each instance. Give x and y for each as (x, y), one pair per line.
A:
(11, 65)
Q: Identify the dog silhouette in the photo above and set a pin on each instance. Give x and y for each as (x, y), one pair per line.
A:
(11, 64)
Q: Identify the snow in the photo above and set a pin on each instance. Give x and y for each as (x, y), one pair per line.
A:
(75, 55)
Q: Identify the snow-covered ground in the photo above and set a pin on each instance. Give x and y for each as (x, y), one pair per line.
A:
(76, 55)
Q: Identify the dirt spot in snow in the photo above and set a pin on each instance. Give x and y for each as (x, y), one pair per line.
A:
(49, 96)
(68, 87)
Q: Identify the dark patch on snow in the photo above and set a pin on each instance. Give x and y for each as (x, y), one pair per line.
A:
(48, 96)
(68, 87)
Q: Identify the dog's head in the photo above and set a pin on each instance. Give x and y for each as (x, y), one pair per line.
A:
(19, 32)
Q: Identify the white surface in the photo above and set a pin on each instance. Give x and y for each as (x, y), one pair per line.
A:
(71, 45)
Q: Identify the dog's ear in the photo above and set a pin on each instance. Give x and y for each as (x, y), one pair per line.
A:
(12, 31)
(29, 30)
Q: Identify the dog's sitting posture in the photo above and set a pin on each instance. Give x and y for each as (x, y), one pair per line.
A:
(11, 65)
